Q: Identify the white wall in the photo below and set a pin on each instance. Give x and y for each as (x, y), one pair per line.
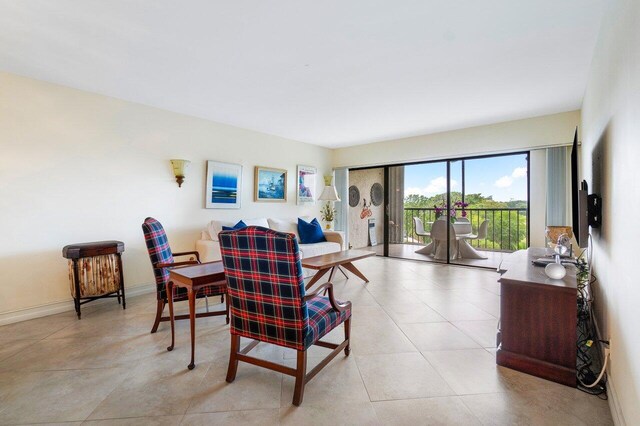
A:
(519, 135)
(610, 157)
(76, 166)
(358, 227)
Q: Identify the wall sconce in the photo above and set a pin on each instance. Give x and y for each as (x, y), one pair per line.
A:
(179, 168)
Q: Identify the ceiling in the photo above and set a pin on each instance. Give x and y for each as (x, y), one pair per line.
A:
(332, 72)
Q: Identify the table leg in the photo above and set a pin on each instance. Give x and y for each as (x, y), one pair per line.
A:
(428, 249)
(316, 277)
(343, 272)
(169, 290)
(333, 273)
(192, 320)
(467, 251)
(355, 271)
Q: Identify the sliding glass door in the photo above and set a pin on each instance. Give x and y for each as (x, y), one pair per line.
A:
(468, 211)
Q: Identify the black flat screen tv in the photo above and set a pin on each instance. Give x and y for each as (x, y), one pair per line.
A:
(579, 199)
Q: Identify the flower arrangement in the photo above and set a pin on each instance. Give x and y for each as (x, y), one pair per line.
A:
(453, 211)
(327, 213)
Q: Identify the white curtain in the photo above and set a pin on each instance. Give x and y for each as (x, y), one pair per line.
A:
(558, 186)
(341, 182)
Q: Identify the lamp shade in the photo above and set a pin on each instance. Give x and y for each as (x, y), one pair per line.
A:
(329, 193)
(179, 167)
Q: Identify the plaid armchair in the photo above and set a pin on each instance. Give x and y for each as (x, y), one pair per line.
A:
(162, 259)
(268, 303)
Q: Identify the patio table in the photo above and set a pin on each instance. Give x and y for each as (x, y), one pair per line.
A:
(463, 249)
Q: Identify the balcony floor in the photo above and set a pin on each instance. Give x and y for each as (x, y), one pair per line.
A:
(407, 251)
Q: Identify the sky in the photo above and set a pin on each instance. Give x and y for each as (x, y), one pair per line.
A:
(503, 177)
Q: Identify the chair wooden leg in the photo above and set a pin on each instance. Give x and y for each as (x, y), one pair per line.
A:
(301, 372)
(233, 359)
(159, 310)
(347, 335)
(227, 307)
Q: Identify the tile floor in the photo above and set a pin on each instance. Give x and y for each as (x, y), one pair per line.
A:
(422, 353)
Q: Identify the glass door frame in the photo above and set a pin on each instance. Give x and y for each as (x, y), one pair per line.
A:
(448, 162)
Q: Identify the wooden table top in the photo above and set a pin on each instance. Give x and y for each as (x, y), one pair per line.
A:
(334, 259)
(519, 269)
(204, 273)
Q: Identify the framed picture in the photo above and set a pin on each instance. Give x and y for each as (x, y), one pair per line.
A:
(306, 185)
(224, 185)
(270, 184)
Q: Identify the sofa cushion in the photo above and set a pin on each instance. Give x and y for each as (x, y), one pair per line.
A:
(235, 227)
(215, 226)
(310, 250)
(285, 225)
(310, 232)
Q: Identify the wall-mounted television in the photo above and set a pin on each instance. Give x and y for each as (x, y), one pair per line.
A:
(586, 208)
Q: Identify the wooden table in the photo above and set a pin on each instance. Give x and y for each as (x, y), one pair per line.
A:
(537, 319)
(193, 278)
(332, 261)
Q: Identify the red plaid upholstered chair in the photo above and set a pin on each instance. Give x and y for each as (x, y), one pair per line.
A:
(162, 260)
(267, 302)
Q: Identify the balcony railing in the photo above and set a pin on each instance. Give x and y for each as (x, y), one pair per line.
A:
(507, 229)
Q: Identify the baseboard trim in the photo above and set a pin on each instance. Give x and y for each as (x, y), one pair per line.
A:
(612, 395)
(614, 403)
(64, 306)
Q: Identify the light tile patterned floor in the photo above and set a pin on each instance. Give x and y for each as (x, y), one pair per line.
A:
(422, 353)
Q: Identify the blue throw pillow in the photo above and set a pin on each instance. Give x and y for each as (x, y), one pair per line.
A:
(235, 227)
(310, 232)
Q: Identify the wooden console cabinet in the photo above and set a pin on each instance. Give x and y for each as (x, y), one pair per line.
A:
(538, 316)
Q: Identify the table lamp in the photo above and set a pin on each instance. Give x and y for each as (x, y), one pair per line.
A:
(330, 195)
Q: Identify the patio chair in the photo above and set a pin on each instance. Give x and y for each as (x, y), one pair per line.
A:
(482, 231)
(162, 260)
(439, 236)
(268, 303)
(420, 231)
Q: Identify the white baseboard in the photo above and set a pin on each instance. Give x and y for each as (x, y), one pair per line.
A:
(614, 403)
(612, 395)
(65, 306)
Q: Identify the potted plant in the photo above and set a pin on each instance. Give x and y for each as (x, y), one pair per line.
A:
(327, 214)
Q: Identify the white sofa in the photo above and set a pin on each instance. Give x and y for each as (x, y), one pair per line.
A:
(208, 245)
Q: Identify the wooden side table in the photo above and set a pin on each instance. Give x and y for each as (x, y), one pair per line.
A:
(95, 271)
(193, 278)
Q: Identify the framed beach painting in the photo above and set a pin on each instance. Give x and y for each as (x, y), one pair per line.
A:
(306, 185)
(224, 185)
(270, 184)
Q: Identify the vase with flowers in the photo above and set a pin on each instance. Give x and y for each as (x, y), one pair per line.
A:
(327, 214)
(453, 211)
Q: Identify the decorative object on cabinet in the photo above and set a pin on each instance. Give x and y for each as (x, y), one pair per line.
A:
(224, 185)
